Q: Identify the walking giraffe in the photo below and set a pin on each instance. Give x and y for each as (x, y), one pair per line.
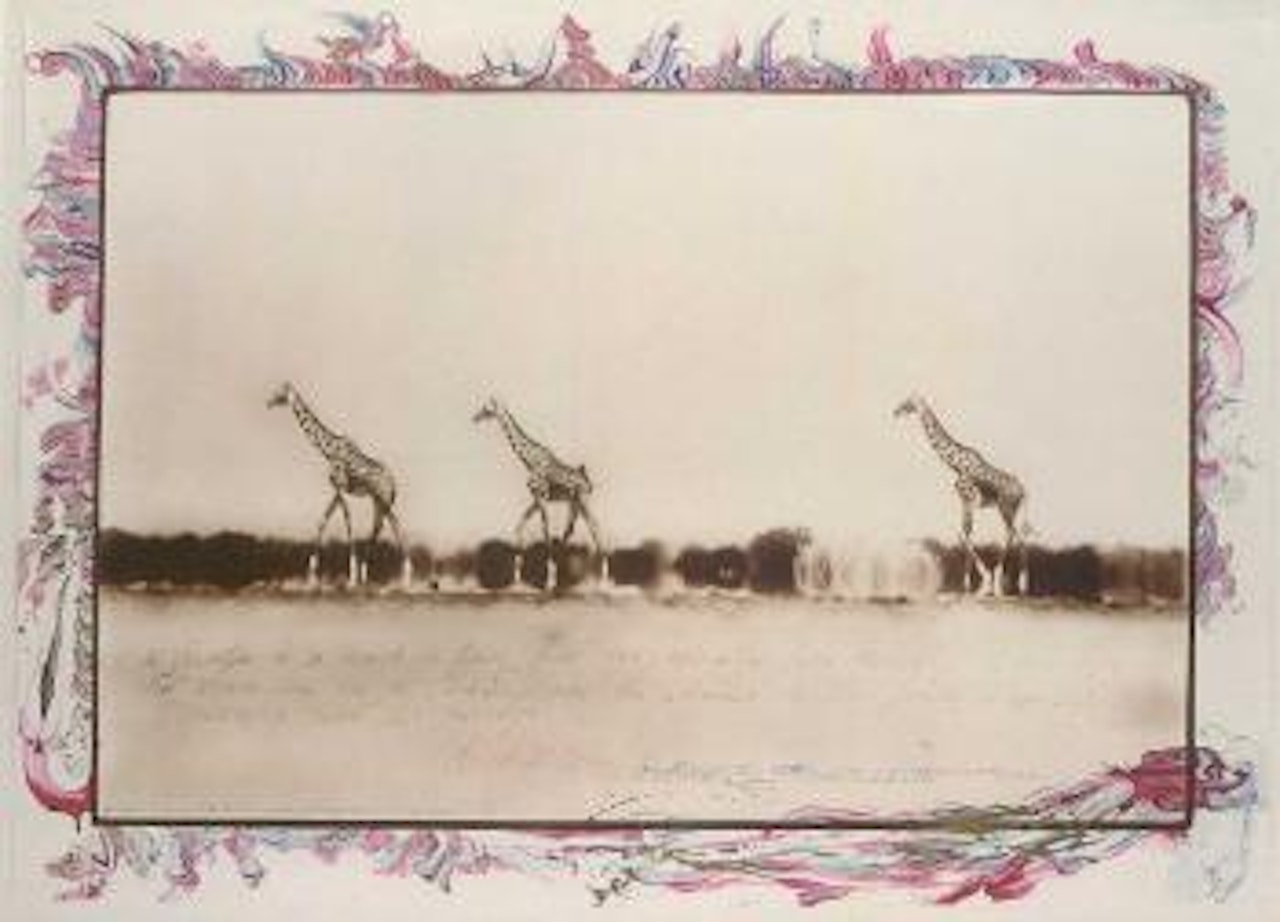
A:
(550, 481)
(352, 473)
(979, 484)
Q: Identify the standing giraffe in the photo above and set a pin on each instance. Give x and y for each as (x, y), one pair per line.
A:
(550, 481)
(352, 473)
(979, 483)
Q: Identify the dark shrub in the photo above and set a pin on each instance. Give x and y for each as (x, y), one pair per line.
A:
(1165, 575)
(729, 568)
(122, 558)
(1136, 575)
(1040, 580)
(229, 560)
(180, 558)
(573, 565)
(459, 566)
(1122, 575)
(286, 559)
(383, 561)
(694, 566)
(232, 560)
(423, 563)
(953, 561)
(942, 556)
(637, 566)
(495, 565)
(1073, 573)
(772, 560)
(533, 565)
(335, 560)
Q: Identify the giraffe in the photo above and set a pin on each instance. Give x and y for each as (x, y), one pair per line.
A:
(979, 483)
(351, 473)
(550, 481)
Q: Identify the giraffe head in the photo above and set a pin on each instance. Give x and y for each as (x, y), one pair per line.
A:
(912, 404)
(488, 410)
(281, 395)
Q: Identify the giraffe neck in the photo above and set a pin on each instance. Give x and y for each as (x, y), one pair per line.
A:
(531, 454)
(320, 435)
(946, 448)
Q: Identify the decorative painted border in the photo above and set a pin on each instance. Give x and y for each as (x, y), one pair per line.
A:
(960, 858)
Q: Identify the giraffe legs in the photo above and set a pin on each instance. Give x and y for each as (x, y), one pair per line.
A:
(406, 565)
(1024, 571)
(383, 514)
(1015, 538)
(534, 506)
(578, 508)
(546, 543)
(974, 561)
(591, 526)
(353, 570)
(1016, 534)
(573, 520)
(1005, 553)
(538, 507)
(546, 525)
(581, 507)
(313, 564)
(374, 532)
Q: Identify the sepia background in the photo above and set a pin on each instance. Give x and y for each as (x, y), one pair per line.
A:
(714, 303)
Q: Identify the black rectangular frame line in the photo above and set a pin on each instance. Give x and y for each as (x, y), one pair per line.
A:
(976, 819)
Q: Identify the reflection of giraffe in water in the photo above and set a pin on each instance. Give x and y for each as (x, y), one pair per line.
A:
(979, 483)
(550, 481)
(352, 473)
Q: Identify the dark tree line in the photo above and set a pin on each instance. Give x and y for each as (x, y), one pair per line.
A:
(766, 564)
(1081, 572)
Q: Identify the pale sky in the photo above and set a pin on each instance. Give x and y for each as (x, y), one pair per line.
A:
(714, 302)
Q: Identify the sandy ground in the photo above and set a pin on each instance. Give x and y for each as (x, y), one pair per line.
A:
(280, 707)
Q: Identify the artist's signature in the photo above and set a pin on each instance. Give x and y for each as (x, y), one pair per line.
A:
(742, 773)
